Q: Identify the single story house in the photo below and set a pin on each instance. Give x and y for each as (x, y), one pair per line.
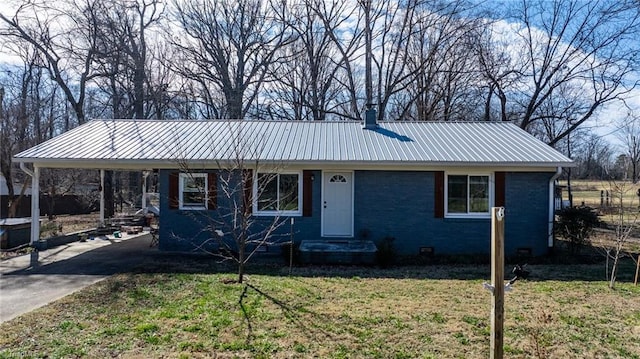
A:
(429, 185)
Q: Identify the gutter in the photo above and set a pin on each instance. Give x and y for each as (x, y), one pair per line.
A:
(141, 164)
(552, 202)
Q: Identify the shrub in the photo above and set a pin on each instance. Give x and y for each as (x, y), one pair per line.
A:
(387, 253)
(576, 225)
(287, 248)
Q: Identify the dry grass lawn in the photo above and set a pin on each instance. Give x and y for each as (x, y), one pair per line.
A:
(189, 310)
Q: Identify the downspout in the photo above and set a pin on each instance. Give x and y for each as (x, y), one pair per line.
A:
(102, 204)
(35, 202)
(552, 204)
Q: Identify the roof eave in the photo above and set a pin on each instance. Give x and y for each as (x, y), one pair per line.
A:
(164, 163)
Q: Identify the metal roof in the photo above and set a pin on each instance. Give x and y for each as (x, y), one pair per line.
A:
(110, 143)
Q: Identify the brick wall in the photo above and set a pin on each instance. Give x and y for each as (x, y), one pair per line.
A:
(396, 204)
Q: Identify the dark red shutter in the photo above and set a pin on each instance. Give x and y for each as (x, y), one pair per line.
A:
(173, 190)
(500, 189)
(212, 191)
(247, 178)
(307, 193)
(438, 208)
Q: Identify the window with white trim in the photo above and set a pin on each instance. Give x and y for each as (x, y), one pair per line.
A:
(278, 193)
(193, 191)
(468, 195)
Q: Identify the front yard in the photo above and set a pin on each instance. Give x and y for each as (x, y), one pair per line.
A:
(190, 310)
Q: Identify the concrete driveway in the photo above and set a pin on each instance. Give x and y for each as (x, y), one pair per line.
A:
(65, 269)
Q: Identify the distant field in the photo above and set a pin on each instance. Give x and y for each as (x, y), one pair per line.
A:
(590, 193)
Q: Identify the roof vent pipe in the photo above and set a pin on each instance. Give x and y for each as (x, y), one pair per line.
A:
(370, 117)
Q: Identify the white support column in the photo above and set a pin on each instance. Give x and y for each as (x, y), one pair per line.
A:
(145, 174)
(101, 196)
(35, 205)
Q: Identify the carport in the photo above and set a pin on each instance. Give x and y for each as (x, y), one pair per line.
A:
(76, 150)
(35, 199)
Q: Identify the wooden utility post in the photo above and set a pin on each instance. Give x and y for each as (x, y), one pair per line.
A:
(497, 281)
(635, 281)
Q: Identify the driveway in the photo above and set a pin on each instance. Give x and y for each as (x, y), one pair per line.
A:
(65, 269)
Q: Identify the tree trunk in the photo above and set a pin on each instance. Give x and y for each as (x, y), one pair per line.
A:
(614, 269)
(108, 194)
(241, 263)
(15, 201)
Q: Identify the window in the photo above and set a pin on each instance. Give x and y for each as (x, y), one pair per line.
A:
(193, 191)
(468, 195)
(278, 193)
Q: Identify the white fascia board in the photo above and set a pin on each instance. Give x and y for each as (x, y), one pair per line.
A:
(359, 165)
(95, 164)
(427, 166)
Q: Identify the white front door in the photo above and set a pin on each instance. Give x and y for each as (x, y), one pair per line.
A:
(337, 204)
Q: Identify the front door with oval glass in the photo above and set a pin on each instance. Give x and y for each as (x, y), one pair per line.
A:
(337, 204)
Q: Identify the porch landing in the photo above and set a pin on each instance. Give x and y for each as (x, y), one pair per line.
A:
(338, 251)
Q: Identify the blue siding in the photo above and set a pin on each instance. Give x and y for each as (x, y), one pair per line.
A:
(180, 230)
(527, 212)
(401, 205)
(184, 231)
(397, 204)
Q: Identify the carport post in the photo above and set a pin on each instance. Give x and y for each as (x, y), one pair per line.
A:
(35, 205)
(101, 196)
(145, 174)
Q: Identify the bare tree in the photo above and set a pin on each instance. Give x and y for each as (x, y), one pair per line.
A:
(229, 47)
(418, 45)
(499, 67)
(8, 131)
(29, 114)
(126, 62)
(305, 87)
(67, 40)
(577, 44)
(594, 158)
(344, 24)
(444, 80)
(124, 29)
(239, 234)
(80, 43)
(230, 191)
(629, 136)
(614, 248)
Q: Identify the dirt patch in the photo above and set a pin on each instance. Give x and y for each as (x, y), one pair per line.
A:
(58, 226)
(66, 224)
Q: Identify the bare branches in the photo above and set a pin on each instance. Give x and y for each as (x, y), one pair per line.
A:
(630, 138)
(581, 44)
(239, 186)
(551, 66)
(615, 249)
(66, 40)
(231, 46)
